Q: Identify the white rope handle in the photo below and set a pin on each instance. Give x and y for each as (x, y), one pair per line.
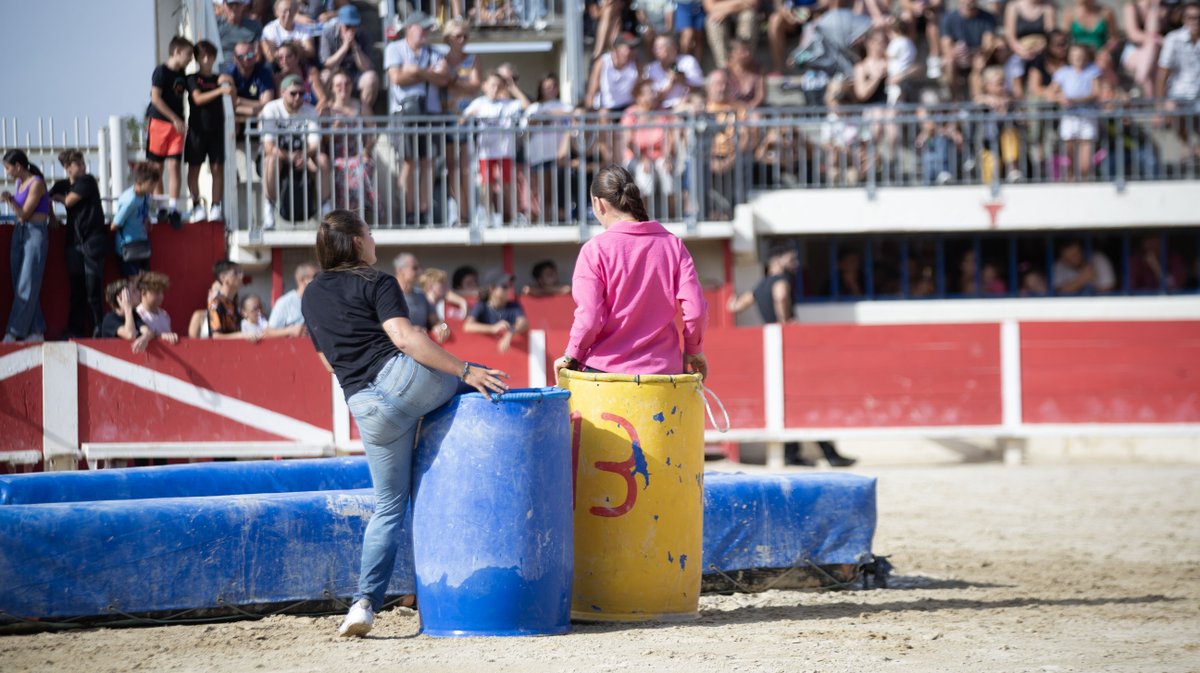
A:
(705, 392)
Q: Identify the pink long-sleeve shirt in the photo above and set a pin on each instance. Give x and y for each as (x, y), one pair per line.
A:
(627, 285)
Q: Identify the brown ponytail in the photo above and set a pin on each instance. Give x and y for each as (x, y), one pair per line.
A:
(615, 186)
(335, 242)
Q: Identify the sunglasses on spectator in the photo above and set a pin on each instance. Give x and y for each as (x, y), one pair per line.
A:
(245, 57)
(294, 93)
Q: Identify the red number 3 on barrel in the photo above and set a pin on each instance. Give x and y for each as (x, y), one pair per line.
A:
(626, 469)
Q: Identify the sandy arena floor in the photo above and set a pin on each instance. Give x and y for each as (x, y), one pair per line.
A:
(1039, 568)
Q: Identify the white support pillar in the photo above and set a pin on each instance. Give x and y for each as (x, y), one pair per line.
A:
(341, 418)
(103, 149)
(773, 390)
(1012, 443)
(118, 159)
(538, 375)
(60, 405)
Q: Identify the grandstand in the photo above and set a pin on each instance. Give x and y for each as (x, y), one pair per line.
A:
(943, 269)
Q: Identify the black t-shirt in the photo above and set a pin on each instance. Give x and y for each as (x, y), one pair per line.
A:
(211, 115)
(344, 312)
(173, 85)
(968, 29)
(113, 322)
(86, 218)
(484, 313)
(764, 298)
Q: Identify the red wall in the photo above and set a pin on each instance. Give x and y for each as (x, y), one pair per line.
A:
(1110, 372)
(20, 408)
(186, 256)
(844, 376)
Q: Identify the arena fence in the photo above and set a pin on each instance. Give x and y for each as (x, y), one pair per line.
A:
(535, 171)
(1010, 380)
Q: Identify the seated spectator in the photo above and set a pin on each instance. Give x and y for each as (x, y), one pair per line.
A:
(1178, 79)
(291, 149)
(351, 149)
(285, 30)
(406, 269)
(968, 40)
(1076, 88)
(234, 26)
(286, 311)
(746, 85)
(253, 81)
(1146, 268)
(610, 87)
(545, 281)
(443, 302)
(673, 75)
(1033, 282)
(687, 20)
(321, 11)
(346, 47)
(726, 19)
(132, 220)
(778, 157)
(153, 286)
(924, 16)
(849, 275)
(1027, 28)
(786, 20)
(122, 321)
(253, 321)
(1075, 273)
(465, 283)
(649, 147)
(499, 106)
(224, 319)
(989, 282)
(495, 313)
(290, 62)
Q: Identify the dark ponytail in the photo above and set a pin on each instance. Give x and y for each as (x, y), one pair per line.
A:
(335, 242)
(19, 158)
(615, 186)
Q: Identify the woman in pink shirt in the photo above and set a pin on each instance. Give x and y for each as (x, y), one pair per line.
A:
(629, 282)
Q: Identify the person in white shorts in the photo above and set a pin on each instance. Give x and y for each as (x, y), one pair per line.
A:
(1076, 89)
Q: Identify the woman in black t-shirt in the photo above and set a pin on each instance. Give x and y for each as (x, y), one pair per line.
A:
(392, 374)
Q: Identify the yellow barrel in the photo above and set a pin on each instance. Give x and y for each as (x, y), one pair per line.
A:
(638, 445)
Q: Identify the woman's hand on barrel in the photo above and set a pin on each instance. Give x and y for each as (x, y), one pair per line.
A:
(698, 364)
(486, 381)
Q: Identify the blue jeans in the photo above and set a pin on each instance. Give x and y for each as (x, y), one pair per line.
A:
(27, 263)
(387, 412)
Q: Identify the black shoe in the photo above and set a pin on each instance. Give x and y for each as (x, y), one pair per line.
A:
(799, 462)
(175, 219)
(840, 461)
(160, 216)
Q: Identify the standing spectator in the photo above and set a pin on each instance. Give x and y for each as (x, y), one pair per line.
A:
(501, 103)
(290, 143)
(1076, 88)
(417, 76)
(1093, 25)
(773, 298)
(727, 145)
(30, 243)
(1027, 27)
(653, 18)
(997, 135)
(902, 63)
(968, 40)
(253, 321)
(284, 30)
(464, 87)
(839, 135)
(545, 281)
(165, 127)
(252, 80)
(1041, 70)
(1145, 24)
(746, 85)
(353, 162)
(123, 321)
(1075, 273)
(495, 313)
(610, 87)
(286, 311)
(546, 151)
(290, 63)
(1179, 74)
(407, 268)
(132, 220)
(938, 142)
(726, 19)
(206, 132)
(608, 21)
(346, 47)
(925, 18)
(687, 19)
(787, 18)
(672, 74)
(153, 286)
(233, 26)
(649, 146)
(87, 244)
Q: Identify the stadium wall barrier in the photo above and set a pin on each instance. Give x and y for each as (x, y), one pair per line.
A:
(206, 399)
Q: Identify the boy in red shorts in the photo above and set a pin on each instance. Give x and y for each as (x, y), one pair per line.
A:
(165, 128)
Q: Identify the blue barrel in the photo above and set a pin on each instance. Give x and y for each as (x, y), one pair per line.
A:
(492, 522)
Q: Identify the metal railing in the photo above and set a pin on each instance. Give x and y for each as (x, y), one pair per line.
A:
(43, 142)
(403, 172)
(523, 14)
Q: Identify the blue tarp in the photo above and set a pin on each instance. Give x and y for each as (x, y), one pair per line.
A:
(148, 555)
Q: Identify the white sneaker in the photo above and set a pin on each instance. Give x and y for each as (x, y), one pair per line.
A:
(215, 214)
(326, 208)
(198, 214)
(933, 67)
(9, 339)
(268, 222)
(359, 620)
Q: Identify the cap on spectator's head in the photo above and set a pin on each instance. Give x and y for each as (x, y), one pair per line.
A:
(497, 278)
(348, 16)
(290, 81)
(419, 18)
